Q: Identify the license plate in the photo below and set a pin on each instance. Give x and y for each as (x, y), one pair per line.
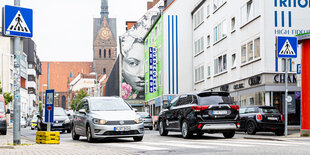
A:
(219, 112)
(272, 118)
(56, 124)
(122, 128)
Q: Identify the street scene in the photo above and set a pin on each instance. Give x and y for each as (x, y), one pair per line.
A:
(155, 77)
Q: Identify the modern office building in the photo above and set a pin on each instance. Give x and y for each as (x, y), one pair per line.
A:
(235, 50)
(167, 55)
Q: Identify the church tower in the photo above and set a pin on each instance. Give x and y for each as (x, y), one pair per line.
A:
(104, 41)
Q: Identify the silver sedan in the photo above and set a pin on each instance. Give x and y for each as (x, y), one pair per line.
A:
(106, 117)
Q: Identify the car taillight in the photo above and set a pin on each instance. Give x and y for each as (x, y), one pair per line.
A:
(282, 118)
(199, 108)
(259, 117)
(236, 107)
(199, 126)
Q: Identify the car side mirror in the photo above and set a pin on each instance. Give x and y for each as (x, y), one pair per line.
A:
(135, 109)
(8, 111)
(82, 111)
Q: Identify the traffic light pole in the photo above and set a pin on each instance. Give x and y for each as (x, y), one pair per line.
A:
(17, 58)
(286, 91)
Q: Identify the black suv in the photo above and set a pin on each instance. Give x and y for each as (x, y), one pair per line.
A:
(61, 121)
(206, 112)
(261, 118)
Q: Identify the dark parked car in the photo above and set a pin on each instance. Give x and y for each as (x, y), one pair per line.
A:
(206, 112)
(147, 119)
(3, 124)
(261, 118)
(61, 121)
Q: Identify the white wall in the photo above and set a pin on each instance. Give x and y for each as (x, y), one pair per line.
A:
(6, 66)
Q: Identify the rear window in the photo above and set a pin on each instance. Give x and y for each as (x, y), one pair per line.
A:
(2, 110)
(207, 99)
(269, 110)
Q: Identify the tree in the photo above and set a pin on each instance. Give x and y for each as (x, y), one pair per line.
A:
(0, 88)
(77, 99)
(8, 98)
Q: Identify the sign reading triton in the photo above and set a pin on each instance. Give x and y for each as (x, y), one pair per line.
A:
(17, 21)
(286, 47)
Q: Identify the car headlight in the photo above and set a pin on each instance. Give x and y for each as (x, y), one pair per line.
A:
(67, 121)
(99, 121)
(138, 119)
(3, 119)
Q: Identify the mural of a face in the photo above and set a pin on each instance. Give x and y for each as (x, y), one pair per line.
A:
(133, 67)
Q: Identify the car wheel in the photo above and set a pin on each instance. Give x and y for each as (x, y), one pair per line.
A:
(230, 134)
(279, 132)
(185, 130)
(162, 130)
(137, 139)
(32, 128)
(251, 128)
(68, 131)
(74, 135)
(89, 135)
(151, 128)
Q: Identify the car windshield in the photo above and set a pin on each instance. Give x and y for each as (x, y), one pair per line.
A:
(2, 107)
(269, 110)
(109, 105)
(215, 99)
(143, 114)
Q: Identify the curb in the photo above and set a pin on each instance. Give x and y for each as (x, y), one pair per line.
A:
(263, 138)
(6, 147)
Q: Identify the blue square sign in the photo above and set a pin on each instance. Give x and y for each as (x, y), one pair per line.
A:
(17, 21)
(286, 47)
(298, 68)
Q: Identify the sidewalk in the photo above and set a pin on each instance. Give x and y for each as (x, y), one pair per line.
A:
(30, 147)
(292, 136)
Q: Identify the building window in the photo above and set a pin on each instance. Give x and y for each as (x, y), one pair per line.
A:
(208, 10)
(199, 45)
(220, 64)
(104, 70)
(208, 40)
(109, 53)
(220, 31)
(233, 24)
(233, 60)
(30, 66)
(249, 11)
(31, 78)
(104, 53)
(250, 51)
(99, 53)
(199, 74)
(209, 70)
(217, 4)
(198, 17)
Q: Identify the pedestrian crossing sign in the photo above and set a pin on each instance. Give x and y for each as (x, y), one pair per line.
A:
(286, 47)
(17, 21)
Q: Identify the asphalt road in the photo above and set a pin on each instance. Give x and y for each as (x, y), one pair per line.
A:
(175, 144)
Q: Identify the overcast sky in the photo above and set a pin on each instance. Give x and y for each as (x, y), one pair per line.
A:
(63, 29)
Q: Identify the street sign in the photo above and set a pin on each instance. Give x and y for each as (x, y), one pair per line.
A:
(286, 47)
(17, 21)
(298, 68)
(49, 106)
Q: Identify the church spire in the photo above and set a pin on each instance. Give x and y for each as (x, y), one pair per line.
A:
(104, 9)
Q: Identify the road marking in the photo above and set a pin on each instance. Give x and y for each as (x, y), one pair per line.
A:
(174, 144)
(216, 143)
(135, 146)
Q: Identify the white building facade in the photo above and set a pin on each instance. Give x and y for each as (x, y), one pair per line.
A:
(234, 50)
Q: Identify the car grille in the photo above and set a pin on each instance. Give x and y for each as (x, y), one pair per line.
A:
(58, 121)
(118, 123)
(131, 132)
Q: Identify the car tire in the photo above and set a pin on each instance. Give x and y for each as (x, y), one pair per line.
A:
(33, 128)
(251, 128)
(162, 130)
(279, 132)
(68, 131)
(138, 139)
(89, 137)
(230, 134)
(151, 128)
(74, 135)
(185, 130)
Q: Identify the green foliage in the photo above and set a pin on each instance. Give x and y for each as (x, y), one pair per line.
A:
(77, 99)
(0, 88)
(40, 108)
(8, 98)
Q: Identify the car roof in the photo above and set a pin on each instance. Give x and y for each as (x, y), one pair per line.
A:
(207, 93)
(103, 97)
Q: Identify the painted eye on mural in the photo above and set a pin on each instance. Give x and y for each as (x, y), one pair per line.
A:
(133, 62)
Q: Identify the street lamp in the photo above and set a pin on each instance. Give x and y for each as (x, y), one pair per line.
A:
(43, 85)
